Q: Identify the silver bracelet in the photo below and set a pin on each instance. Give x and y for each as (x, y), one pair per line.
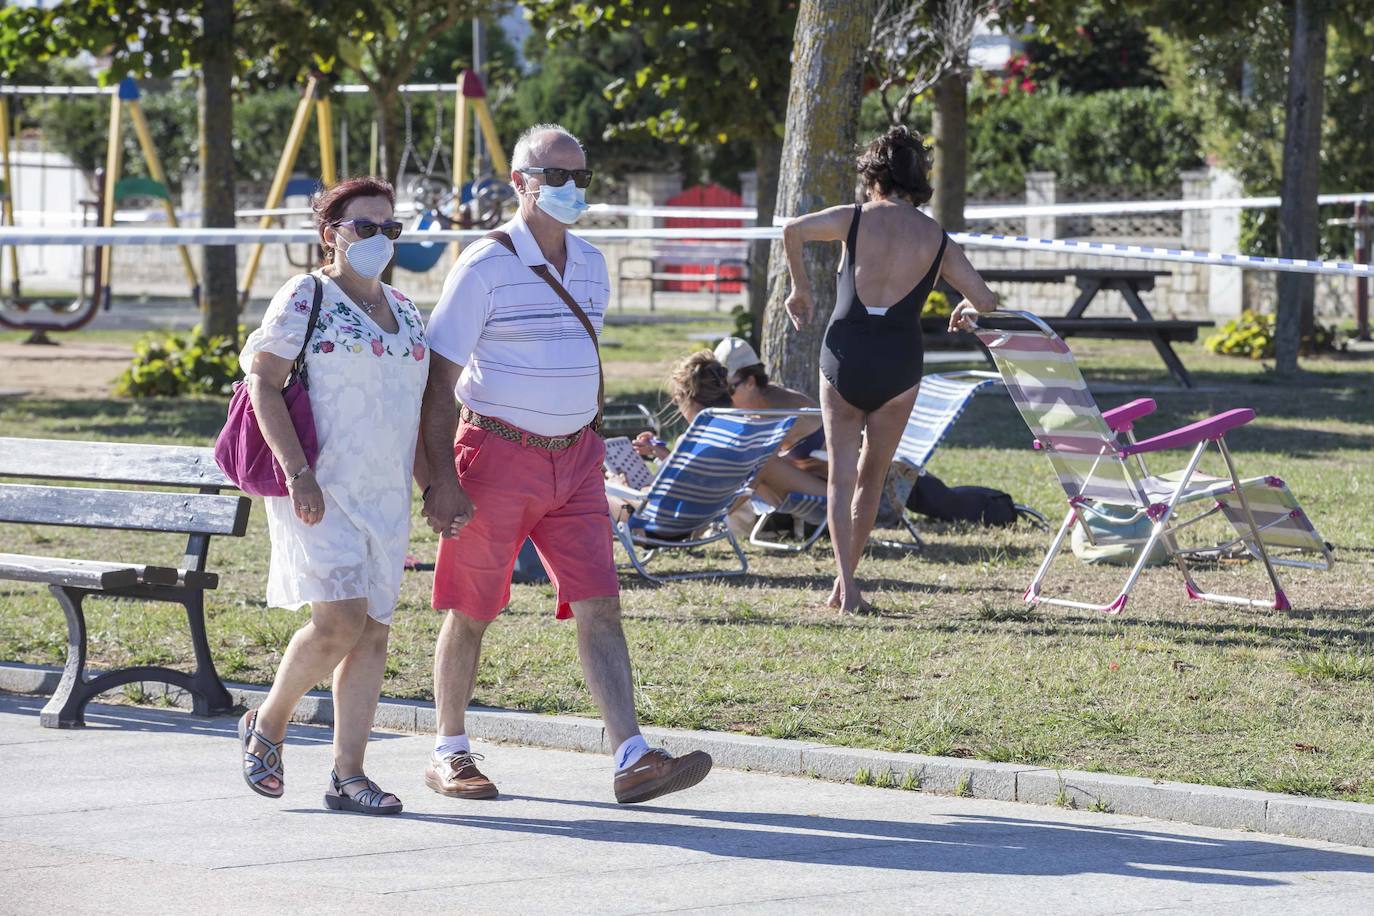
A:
(291, 478)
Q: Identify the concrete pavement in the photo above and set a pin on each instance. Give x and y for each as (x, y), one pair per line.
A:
(144, 809)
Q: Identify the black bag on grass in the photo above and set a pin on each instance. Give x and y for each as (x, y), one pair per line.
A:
(984, 505)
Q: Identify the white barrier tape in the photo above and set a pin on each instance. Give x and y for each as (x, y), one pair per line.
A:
(117, 236)
(1177, 255)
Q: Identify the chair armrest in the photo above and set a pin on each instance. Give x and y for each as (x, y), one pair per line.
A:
(1211, 428)
(1121, 418)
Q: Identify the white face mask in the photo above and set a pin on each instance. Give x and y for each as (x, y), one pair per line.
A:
(369, 257)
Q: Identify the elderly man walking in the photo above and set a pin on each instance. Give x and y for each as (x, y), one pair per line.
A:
(514, 335)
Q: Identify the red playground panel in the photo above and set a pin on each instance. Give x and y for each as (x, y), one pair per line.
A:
(707, 195)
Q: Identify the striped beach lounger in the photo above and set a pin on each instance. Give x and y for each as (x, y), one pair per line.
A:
(708, 471)
(939, 403)
(1100, 463)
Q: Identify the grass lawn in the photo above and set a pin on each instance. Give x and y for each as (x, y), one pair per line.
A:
(954, 664)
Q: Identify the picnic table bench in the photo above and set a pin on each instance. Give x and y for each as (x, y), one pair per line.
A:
(721, 262)
(199, 515)
(1162, 333)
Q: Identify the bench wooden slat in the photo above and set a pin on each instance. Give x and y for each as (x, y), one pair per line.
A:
(75, 573)
(111, 462)
(126, 510)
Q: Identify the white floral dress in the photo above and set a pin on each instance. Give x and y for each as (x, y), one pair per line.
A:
(365, 390)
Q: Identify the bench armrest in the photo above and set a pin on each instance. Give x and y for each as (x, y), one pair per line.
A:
(1211, 428)
(1121, 418)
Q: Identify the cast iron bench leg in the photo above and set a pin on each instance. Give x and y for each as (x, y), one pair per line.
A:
(66, 707)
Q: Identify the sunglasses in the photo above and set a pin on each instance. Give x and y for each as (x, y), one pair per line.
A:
(366, 228)
(556, 178)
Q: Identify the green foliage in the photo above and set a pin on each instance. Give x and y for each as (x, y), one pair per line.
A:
(1109, 51)
(1230, 81)
(1134, 139)
(1253, 335)
(172, 365)
(937, 306)
(712, 71)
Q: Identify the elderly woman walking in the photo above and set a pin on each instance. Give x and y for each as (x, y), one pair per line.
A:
(339, 538)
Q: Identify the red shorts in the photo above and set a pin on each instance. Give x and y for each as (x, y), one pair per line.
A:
(555, 498)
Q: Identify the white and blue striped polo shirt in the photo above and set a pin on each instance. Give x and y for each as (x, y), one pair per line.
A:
(526, 358)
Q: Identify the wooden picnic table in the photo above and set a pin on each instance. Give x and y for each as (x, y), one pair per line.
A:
(1162, 333)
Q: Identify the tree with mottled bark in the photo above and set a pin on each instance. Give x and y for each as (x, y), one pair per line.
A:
(1298, 229)
(816, 170)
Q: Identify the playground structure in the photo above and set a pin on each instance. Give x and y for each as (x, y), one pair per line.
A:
(440, 197)
(439, 201)
(111, 189)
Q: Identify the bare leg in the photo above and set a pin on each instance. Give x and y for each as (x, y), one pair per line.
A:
(843, 426)
(455, 669)
(333, 631)
(357, 686)
(778, 478)
(606, 665)
(882, 434)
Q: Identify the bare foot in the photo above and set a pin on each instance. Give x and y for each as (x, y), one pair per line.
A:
(849, 600)
(834, 599)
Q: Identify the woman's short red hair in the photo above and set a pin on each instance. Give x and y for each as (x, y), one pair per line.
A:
(329, 205)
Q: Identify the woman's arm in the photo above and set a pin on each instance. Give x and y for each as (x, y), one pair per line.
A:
(831, 225)
(265, 380)
(977, 297)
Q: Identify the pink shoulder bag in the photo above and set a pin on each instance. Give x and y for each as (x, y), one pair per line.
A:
(242, 453)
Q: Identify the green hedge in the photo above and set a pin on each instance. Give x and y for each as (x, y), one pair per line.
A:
(1133, 139)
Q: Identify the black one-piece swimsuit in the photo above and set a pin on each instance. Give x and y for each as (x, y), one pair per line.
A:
(870, 359)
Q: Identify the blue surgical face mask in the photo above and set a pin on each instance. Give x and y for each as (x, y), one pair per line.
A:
(564, 203)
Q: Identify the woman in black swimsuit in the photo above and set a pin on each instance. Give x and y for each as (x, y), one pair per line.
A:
(872, 357)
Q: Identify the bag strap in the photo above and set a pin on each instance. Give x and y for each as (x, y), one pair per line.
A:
(542, 271)
(298, 367)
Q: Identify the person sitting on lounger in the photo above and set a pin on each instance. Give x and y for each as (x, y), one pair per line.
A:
(751, 389)
(700, 382)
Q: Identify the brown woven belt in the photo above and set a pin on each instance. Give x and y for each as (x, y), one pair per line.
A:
(512, 434)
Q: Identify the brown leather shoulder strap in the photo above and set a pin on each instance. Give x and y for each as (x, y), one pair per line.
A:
(542, 271)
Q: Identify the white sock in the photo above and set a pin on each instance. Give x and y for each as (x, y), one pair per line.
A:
(630, 751)
(451, 744)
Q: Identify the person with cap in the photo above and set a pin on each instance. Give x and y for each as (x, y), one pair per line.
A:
(751, 389)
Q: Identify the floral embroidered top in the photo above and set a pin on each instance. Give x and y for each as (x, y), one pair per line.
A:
(365, 390)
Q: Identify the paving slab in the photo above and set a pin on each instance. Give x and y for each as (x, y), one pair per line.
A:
(144, 810)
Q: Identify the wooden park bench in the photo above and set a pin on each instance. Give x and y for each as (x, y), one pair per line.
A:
(199, 515)
(718, 262)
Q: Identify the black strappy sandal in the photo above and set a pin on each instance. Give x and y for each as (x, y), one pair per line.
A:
(258, 768)
(367, 801)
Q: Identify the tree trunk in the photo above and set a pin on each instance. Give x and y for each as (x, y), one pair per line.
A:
(816, 170)
(767, 151)
(219, 263)
(1301, 149)
(949, 125)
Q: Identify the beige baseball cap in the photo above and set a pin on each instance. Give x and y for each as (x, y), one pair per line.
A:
(734, 354)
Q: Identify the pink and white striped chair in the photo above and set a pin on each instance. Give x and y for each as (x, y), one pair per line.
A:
(1098, 469)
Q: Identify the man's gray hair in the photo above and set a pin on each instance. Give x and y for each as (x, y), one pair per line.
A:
(534, 140)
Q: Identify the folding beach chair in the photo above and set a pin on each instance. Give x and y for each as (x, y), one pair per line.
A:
(939, 403)
(1098, 470)
(687, 502)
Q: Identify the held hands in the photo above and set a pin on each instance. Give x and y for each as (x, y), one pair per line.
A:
(447, 509)
(800, 308)
(307, 499)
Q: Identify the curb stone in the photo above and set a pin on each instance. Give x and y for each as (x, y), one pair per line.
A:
(1333, 821)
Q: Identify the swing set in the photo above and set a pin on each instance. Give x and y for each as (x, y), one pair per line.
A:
(16, 309)
(441, 196)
